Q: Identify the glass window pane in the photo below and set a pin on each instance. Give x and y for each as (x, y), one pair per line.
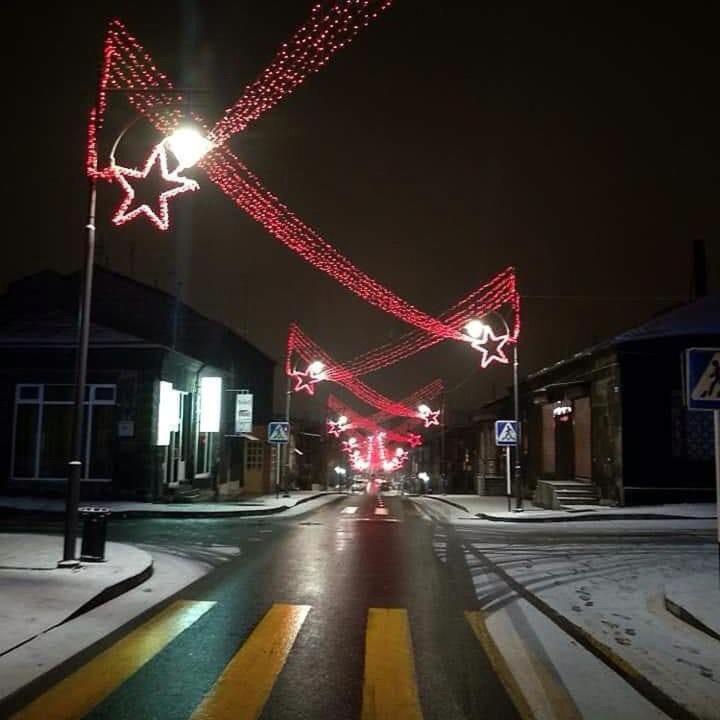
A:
(105, 394)
(58, 393)
(25, 440)
(56, 440)
(29, 392)
(101, 447)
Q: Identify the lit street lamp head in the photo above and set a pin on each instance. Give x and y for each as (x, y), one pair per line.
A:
(188, 146)
(475, 329)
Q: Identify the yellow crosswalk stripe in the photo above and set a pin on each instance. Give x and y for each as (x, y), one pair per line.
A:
(78, 693)
(390, 687)
(242, 690)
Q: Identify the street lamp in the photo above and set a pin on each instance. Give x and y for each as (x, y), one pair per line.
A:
(477, 330)
(340, 472)
(185, 144)
(188, 146)
(316, 372)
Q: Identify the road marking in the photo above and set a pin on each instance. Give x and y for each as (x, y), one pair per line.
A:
(242, 690)
(532, 687)
(381, 511)
(77, 694)
(349, 510)
(497, 660)
(390, 687)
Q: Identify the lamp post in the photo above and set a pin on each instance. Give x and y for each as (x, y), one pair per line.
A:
(316, 371)
(476, 329)
(188, 146)
(340, 472)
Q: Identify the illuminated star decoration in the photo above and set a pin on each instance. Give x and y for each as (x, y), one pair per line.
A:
(489, 353)
(339, 426)
(429, 416)
(414, 440)
(161, 219)
(304, 381)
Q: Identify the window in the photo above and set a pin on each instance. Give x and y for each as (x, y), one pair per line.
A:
(254, 455)
(42, 431)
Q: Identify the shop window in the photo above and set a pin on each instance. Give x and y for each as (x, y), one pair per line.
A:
(42, 431)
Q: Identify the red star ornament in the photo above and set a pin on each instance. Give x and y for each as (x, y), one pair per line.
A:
(161, 219)
(431, 418)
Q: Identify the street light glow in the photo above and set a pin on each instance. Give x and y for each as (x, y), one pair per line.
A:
(424, 410)
(342, 420)
(188, 146)
(316, 368)
(475, 329)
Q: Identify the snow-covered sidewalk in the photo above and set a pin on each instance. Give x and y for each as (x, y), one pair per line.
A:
(256, 505)
(37, 595)
(495, 509)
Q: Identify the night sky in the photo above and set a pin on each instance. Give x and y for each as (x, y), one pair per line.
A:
(449, 141)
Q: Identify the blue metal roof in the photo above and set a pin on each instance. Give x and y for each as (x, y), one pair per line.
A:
(701, 317)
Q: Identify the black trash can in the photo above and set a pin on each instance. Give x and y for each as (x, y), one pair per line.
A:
(94, 533)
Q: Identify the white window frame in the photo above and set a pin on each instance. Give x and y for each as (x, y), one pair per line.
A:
(90, 401)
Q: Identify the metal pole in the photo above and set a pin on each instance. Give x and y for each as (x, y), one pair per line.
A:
(278, 461)
(443, 465)
(508, 488)
(716, 413)
(516, 403)
(76, 465)
(288, 395)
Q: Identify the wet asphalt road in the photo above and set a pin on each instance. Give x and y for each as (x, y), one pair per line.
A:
(349, 556)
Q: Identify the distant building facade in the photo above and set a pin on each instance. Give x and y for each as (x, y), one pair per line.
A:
(609, 424)
(161, 398)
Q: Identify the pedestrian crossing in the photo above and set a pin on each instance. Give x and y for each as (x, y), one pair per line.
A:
(243, 688)
(77, 694)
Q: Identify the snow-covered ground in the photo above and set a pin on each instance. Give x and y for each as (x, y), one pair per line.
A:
(613, 591)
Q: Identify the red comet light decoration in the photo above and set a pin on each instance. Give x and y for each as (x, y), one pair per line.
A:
(128, 67)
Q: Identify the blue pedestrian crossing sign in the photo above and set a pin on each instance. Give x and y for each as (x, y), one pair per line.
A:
(506, 433)
(278, 432)
(702, 378)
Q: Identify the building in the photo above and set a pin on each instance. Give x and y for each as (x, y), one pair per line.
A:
(609, 424)
(164, 384)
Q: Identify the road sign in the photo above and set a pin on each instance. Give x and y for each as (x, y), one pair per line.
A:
(506, 433)
(702, 378)
(278, 432)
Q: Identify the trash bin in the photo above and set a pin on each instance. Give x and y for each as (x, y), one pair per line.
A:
(94, 532)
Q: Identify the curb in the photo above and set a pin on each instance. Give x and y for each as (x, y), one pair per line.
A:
(443, 500)
(105, 595)
(687, 617)
(197, 514)
(598, 517)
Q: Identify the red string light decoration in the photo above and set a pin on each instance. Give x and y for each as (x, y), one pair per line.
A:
(126, 65)
(328, 30)
(302, 346)
(355, 421)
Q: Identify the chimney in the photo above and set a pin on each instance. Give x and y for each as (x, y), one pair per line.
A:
(699, 270)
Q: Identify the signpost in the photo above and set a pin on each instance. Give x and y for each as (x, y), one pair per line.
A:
(506, 436)
(702, 392)
(278, 435)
